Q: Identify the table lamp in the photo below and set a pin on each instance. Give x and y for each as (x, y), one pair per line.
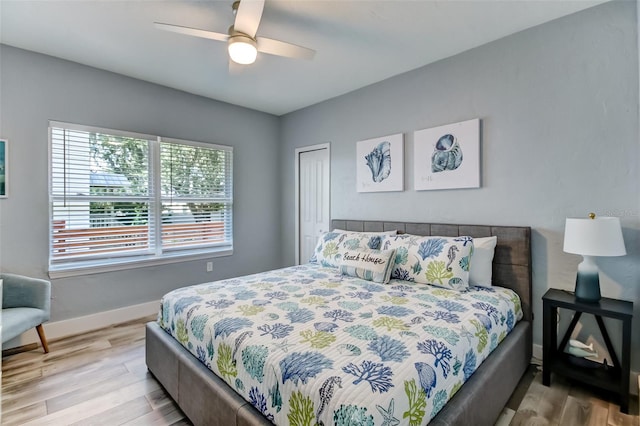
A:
(591, 237)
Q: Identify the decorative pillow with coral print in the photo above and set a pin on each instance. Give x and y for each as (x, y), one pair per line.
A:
(332, 245)
(439, 261)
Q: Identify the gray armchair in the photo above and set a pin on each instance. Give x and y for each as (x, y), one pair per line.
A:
(26, 303)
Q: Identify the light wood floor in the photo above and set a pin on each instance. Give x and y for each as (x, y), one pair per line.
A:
(564, 403)
(100, 378)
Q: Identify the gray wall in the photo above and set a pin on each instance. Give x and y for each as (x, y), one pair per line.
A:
(35, 88)
(559, 110)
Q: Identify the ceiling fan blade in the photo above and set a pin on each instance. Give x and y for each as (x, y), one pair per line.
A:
(281, 48)
(191, 31)
(248, 16)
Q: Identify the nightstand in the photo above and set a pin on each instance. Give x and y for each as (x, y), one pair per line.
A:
(615, 378)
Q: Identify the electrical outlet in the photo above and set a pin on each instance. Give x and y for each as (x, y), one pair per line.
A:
(209, 266)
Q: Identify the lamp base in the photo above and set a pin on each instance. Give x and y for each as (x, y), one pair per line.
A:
(588, 281)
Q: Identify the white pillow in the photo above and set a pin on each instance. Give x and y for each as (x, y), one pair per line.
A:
(342, 231)
(480, 269)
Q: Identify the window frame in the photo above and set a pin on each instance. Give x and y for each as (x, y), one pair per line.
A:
(158, 255)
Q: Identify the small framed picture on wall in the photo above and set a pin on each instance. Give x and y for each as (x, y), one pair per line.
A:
(380, 164)
(447, 157)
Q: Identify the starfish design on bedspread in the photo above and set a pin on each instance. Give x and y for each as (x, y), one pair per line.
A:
(387, 415)
(283, 346)
(465, 333)
(219, 314)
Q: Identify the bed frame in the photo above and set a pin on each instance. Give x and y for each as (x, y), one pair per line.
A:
(208, 400)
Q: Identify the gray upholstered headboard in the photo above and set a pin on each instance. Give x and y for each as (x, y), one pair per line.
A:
(511, 262)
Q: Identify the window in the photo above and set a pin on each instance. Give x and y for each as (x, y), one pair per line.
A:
(119, 197)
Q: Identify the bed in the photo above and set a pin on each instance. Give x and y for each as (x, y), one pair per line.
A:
(210, 400)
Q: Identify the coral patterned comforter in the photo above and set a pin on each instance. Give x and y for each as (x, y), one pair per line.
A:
(305, 344)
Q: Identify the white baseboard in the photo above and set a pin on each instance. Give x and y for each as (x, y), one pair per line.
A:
(633, 384)
(64, 328)
(537, 352)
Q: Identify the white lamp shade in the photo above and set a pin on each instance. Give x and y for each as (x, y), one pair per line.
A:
(601, 236)
(242, 49)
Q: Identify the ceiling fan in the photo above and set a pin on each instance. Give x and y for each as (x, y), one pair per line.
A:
(243, 44)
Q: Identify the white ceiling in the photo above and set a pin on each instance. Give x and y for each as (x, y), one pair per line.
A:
(358, 42)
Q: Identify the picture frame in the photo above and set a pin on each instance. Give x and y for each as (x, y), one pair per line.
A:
(4, 168)
(447, 157)
(380, 164)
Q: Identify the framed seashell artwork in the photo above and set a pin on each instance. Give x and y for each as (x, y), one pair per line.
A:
(447, 157)
(380, 164)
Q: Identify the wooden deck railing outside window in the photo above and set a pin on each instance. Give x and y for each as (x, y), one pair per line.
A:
(89, 241)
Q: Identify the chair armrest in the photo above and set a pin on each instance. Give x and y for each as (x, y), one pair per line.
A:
(19, 291)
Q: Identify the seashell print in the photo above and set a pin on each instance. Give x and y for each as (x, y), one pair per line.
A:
(325, 326)
(379, 161)
(349, 349)
(579, 344)
(447, 154)
(427, 377)
(486, 321)
(374, 243)
(455, 281)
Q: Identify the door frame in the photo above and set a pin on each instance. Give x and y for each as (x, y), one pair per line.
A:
(300, 151)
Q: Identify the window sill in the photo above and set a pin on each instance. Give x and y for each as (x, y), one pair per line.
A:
(99, 267)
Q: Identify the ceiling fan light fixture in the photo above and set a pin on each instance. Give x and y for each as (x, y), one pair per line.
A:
(242, 49)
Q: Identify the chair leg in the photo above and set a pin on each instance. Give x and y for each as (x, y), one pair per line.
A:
(43, 338)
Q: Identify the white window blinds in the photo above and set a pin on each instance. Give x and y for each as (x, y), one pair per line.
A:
(118, 196)
(197, 195)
